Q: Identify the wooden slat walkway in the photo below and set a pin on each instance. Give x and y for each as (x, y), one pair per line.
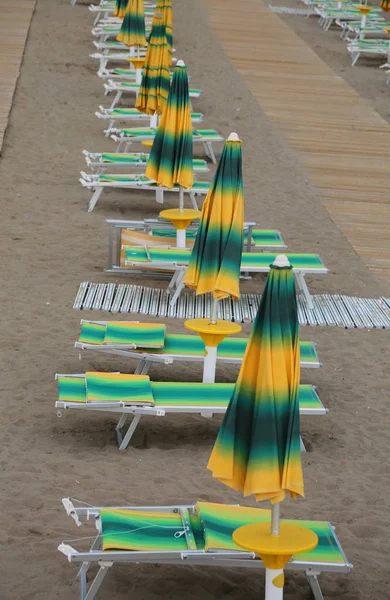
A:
(15, 19)
(344, 143)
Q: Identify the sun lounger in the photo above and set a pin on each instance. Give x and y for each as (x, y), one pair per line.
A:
(109, 30)
(136, 395)
(130, 114)
(102, 160)
(329, 15)
(132, 340)
(131, 87)
(98, 183)
(162, 233)
(369, 47)
(125, 137)
(176, 260)
(120, 55)
(197, 535)
(104, 9)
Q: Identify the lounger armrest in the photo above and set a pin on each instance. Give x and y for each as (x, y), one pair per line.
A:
(71, 511)
(67, 550)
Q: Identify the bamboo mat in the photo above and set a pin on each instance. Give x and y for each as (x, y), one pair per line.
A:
(15, 19)
(343, 142)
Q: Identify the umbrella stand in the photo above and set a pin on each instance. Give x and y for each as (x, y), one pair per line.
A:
(364, 10)
(212, 332)
(180, 219)
(153, 121)
(276, 545)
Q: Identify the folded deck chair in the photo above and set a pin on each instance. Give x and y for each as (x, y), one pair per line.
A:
(136, 395)
(125, 137)
(102, 160)
(131, 87)
(176, 260)
(160, 232)
(98, 183)
(130, 114)
(368, 47)
(197, 535)
(131, 339)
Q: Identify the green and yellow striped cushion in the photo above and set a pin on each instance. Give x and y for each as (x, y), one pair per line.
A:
(147, 335)
(115, 387)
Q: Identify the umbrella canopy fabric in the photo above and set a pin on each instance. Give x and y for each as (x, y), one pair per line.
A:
(257, 450)
(165, 8)
(154, 90)
(170, 159)
(216, 257)
(132, 32)
(120, 8)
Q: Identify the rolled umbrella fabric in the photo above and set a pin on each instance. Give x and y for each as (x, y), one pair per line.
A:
(257, 450)
(170, 159)
(120, 8)
(132, 32)
(165, 8)
(154, 90)
(216, 257)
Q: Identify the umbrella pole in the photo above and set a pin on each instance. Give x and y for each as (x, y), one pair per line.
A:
(154, 121)
(210, 359)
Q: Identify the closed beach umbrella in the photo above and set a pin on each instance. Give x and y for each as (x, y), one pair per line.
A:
(257, 450)
(132, 32)
(165, 8)
(154, 90)
(170, 161)
(216, 257)
(120, 8)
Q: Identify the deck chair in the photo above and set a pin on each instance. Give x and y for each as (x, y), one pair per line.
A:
(116, 55)
(131, 114)
(137, 396)
(105, 31)
(162, 233)
(131, 87)
(100, 161)
(125, 137)
(176, 260)
(329, 15)
(197, 535)
(98, 183)
(352, 30)
(131, 339)
(368, 47)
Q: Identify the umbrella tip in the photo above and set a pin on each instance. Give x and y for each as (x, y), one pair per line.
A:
(180, 63)
(233, 137)
(281, 261)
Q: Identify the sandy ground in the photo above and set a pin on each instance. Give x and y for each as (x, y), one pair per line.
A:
(49, 244)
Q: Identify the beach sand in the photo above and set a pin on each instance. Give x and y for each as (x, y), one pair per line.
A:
(49, 244)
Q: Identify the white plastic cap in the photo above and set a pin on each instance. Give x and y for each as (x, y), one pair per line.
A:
(180, 63)
(281, 261)
(158, 15)
(233, 137)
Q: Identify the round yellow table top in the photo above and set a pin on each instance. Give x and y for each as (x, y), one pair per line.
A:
(387, 29)
(364, 9)
(218, 328)
(292, 540)
(175, 214)
(137, 62)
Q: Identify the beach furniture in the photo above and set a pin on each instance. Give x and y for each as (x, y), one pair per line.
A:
(147, 260)
(137, 396)
(98, 183)
(131, 87)
(163, 233)
(368, 47)
(132, 340)
(130, 114)
(125, 137)
(116, 54)
(100, 161)
(197, 535)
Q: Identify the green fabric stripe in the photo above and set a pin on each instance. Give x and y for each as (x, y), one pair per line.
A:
(101, 388)
(92, 333)
(144, 337)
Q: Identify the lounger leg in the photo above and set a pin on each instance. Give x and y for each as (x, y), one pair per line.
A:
(110, 126)
(116, 100)
(97, 582)
(123, 442)
(172, 283)
(95, 197)
(314, 585)
(193, 201)
(304, 289)
(355, 58)
(211, 152)
(302, 445)
(179, 287)
(142, 367)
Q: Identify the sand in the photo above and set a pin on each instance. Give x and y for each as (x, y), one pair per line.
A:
(49, 244)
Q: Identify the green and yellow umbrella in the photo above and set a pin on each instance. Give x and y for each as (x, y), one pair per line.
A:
(216, 257)
(165, 8)
(132, 32)
(120, 8)
(170, 161)
(153, 93)
(257, 450)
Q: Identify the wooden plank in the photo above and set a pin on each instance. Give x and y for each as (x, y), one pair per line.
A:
(15, 19)
(343, 142)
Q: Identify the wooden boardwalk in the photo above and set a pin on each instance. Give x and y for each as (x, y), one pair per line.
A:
(15, 19)
(343, 142)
